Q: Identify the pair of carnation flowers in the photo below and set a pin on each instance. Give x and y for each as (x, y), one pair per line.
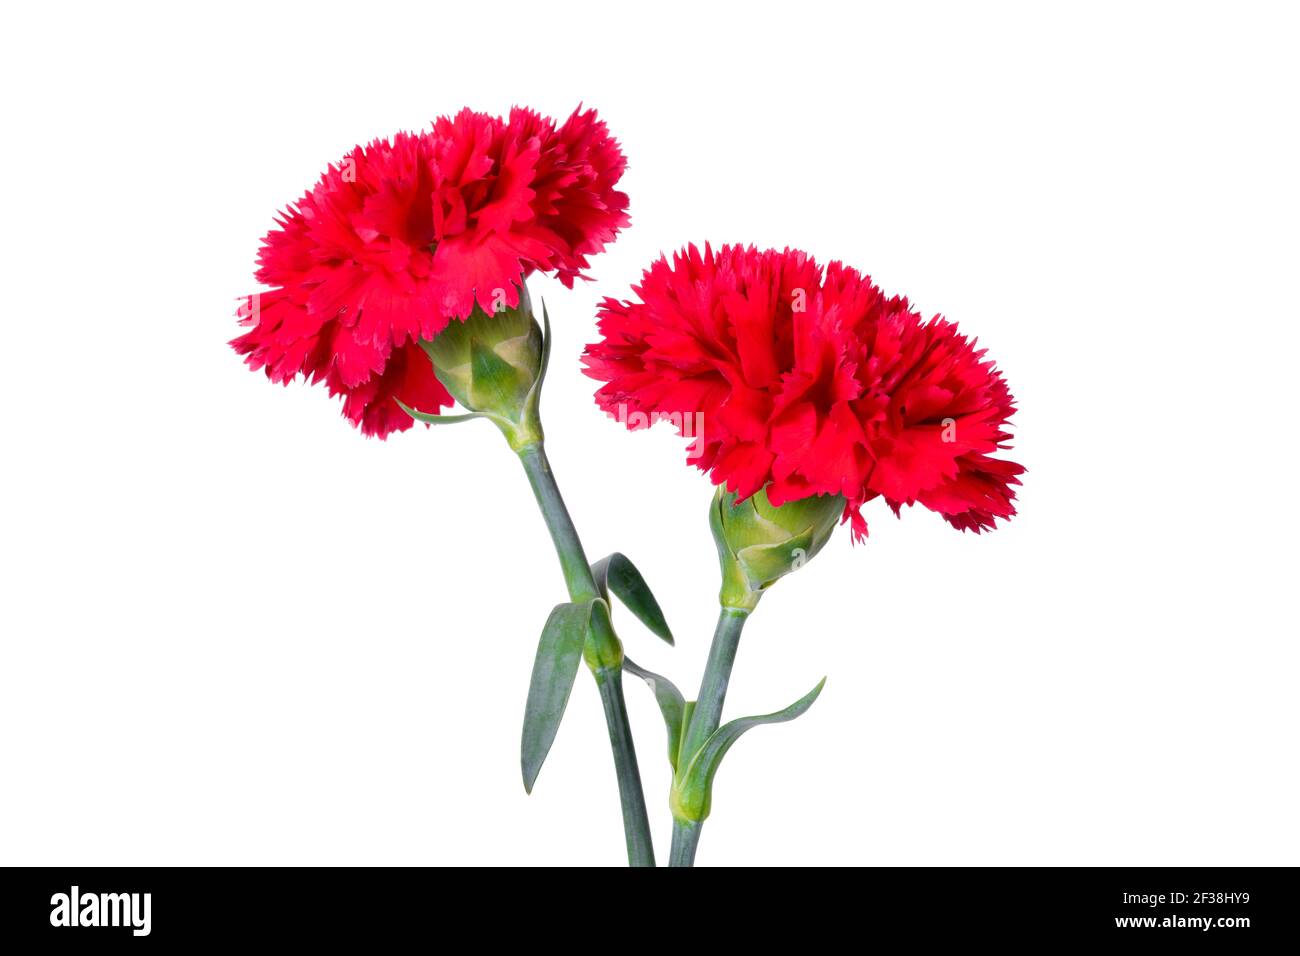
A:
(789, 379)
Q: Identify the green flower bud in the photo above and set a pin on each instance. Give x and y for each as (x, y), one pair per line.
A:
(492, 364)
(759, 543)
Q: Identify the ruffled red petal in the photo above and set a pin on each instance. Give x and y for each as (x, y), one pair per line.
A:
(810, 385)
(406, 234)
(407, 377)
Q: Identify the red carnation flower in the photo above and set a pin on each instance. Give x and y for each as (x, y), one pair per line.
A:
(809, 386)
(404, 235)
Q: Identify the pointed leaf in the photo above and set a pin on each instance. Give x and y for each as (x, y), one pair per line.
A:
(679, 751)
(616, 573)
(437, 419)
(534, 396)
(671, 704)
(695, 791)
(558, 654)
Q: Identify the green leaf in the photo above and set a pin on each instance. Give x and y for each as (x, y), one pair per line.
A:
(534, 397)
(671, 704)
(695, 787)
(679, 751)
(616, 573)
(558, 654)
(437, 419)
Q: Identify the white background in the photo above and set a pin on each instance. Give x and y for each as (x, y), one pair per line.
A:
(236, 632)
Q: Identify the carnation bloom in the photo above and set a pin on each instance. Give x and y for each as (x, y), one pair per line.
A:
(805, 385)
(407, 234)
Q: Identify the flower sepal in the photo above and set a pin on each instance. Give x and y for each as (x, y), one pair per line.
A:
(493, 364)
(759, 543)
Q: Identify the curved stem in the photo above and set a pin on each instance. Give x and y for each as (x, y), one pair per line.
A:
(573, 561)
(604, 654)
(706, 718)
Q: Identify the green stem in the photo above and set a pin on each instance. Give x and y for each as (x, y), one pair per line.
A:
(706, 718)
(636, 823)
(686, 837)
(604, 653)
(573, 561)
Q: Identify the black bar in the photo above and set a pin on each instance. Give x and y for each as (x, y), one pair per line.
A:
(231, 906)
